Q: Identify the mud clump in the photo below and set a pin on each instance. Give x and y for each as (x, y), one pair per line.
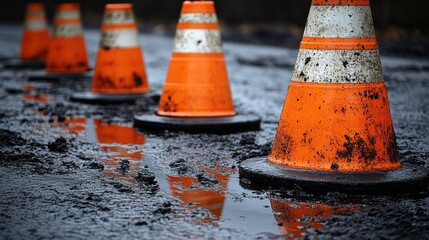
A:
(206, 180)
(146, 180)
(9, 138)
(165, 209)
(59, 145)
(179, 166)
(124, 167)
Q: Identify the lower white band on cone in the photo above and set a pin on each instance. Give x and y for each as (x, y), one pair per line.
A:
(340, 21)
(119, 38)
(70, 14)
(338, 66)
(197, 41)
(198, 18)
(35, 25)
(118, 17)
(67, 30)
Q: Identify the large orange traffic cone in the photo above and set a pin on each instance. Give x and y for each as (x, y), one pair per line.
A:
(336, 131)
(119, 74)
(67, 56)
(196, 95)
(35, 39)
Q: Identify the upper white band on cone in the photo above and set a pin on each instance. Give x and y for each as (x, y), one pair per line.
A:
(119, 38)
(71, 14)
(197, 41)
(340, 21)
(118, 17)
(198, 18)
(67, 30)
(338, 66)
(39, 24)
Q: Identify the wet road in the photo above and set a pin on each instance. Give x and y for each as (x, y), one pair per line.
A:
(69, 170)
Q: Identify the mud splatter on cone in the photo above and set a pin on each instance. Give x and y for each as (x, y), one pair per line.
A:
(196, 95)
(335, 130)
(120, 74)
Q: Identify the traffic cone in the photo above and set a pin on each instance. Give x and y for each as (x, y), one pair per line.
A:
(67, 56)
(335, 130)
(35, 38)
(119, 74)
(196, 95)
(290, 216)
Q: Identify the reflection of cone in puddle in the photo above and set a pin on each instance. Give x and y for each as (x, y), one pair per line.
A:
(67, 51)
(36, 97)
(295, 216)
(35, 38)
(335, 130)
(119, 74)
(196, 95)
(124, 161)
(211, 199)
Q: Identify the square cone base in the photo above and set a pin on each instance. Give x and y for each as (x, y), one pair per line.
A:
(258, 173)
(102, 98)
(23, 64)
(237, 123)
(45, 76)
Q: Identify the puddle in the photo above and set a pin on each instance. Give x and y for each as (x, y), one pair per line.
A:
(216, 189)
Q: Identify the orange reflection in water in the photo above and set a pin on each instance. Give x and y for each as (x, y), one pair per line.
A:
(74, 125)
(296, 217)
(36, 97)
(112, 139)
(189, 190)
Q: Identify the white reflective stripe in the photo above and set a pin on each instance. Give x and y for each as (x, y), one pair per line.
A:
(338, 66)
(119, 38)
(340, 21)
(36, 24)
(72, 14)
(198, 18)
(67, 30)
(118, 17)
(197, 41)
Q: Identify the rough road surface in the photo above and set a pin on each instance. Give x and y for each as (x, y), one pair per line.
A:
(75, 171)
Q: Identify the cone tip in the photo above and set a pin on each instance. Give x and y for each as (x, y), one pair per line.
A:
(35, 6)
(119, 6)
(68, 6)
(198, 7)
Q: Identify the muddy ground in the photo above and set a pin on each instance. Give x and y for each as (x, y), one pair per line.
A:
(76, 171)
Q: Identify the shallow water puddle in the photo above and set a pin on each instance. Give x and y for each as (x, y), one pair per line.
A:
(230, 205)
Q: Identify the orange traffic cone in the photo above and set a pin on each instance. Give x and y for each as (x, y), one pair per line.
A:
(119, 74)
(291, 214)
(35, 38)
(67, 55)
(196, 95)
(335, 131)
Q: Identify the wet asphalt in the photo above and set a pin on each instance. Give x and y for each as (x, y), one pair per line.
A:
(77, 171)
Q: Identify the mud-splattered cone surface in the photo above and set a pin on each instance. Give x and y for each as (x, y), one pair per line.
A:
(120, 66)
(336, 115)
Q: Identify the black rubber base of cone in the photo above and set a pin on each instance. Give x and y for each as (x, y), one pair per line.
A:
(99, 98)
(44, 76)
(258, 173)
(23, 64)
(237, 123)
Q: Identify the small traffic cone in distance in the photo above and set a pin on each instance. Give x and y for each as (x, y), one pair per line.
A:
(35, 39)
(119, 74)
(196, 95)
(335, 131)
